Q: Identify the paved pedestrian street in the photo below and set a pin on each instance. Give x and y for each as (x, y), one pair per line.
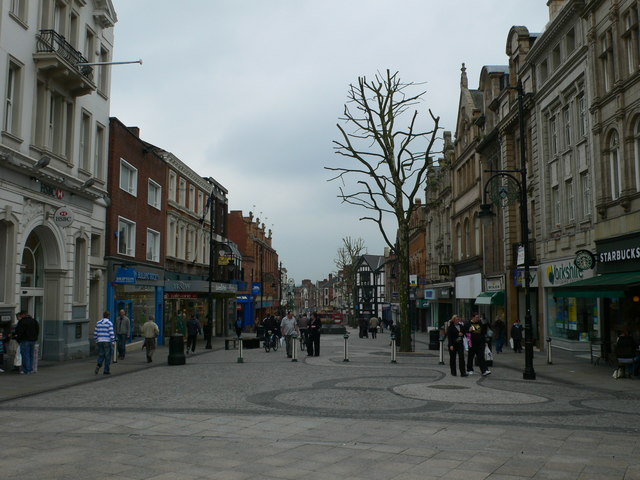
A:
(323, 418)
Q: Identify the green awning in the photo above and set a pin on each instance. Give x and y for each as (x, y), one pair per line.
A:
(610, 285)
(490, 298)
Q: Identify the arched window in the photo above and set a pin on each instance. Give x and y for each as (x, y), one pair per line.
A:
(459, 241)
(32, 266)
(80, 268)
(614, 165)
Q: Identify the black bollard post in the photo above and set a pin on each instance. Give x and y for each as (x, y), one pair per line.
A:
(393, 348)
(346, 347)
(240, 359)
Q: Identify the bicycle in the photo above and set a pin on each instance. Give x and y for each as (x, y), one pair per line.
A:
(303, 340)
(271, 341)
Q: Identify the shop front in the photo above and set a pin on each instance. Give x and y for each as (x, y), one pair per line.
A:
(245, 310)
(491, 301)
(570, 320)
(138, 290)
(440, 304)
(186, 298)
(615, 289)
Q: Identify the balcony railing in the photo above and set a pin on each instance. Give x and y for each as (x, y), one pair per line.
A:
(50, 41)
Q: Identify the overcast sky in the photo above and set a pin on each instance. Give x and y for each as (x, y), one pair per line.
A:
(250, 91)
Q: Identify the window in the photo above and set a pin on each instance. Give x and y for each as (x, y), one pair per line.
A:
(171, 238)
(12, 102)
(555, 57)
(614, 166)
(172, 186)
(570, 41)
(555, 206)
(566, 118)
(155, 194)
(99, 164)
(54, 122)
(192, 198)
(89, 46)
(544, 71)
(467, 238)
(582, 116)
(128, 178)
(553, 135)
(103, 71)
(80, 268)
(85, 142)
(585, 188)
(606, 61)
(630, 39)
(18, 10)
(153, 245)
(570, 200)
(126, 237)
(182, 192)
(200, 203)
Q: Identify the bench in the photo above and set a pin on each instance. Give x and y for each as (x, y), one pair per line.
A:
(229, 340)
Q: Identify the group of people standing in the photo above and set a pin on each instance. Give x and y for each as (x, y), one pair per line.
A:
(471, 337)
(20, 342)
(307, 327)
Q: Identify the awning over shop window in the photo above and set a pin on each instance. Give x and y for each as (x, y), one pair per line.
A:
(490, 298)
(611, 285)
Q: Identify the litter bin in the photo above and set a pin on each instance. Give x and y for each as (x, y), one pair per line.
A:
(434, 339)
(176, 350)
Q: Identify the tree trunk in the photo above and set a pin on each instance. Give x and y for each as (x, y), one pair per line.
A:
(403, 286)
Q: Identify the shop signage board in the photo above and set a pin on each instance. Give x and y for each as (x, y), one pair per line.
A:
(63, 217)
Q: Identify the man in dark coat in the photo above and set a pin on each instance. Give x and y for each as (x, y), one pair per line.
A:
(456, 346)
(26, 333)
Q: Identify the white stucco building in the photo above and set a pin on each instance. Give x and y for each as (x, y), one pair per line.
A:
(53, 152)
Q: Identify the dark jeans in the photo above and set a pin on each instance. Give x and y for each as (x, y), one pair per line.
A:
(459, 353)
(26, 350)
(477, 351)
(104, 355)
(122, 344)
(288, 340)
(499, 343)
(313, 345)
(191, 342)
(517, 345)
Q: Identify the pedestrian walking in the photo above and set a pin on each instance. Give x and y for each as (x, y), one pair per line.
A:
(26, 333)
(193, 330)
(516, 336)
(123, 329)
(289, 326)
(456, 346)
(313, 336)
(476, 349)
(239, 325)
(373, 326)
(499, 331)
(105, 337)
(150, 331)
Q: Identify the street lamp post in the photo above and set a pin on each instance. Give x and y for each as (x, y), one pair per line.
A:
(503, 193)
(208, 328)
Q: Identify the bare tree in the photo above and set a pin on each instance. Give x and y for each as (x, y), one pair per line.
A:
(391, 165)
(346, 260)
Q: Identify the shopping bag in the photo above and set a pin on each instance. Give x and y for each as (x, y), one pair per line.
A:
(511, 343)
(281, 341)
(17, 360)
(465, 342)
(488, 355)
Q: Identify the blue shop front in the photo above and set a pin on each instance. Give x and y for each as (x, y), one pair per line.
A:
(139, 291)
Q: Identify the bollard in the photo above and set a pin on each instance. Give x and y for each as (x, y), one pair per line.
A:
(294, 347)
(393, 349)
(240, 359)
(549, 351)
(441, 361)
(346, 347)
